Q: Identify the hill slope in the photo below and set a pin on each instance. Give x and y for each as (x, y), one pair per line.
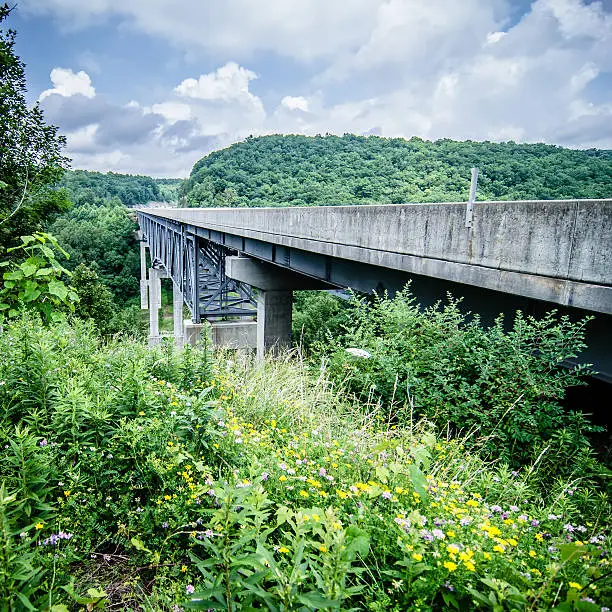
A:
(301, 170)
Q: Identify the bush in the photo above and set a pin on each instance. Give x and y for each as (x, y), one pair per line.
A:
(440, 363)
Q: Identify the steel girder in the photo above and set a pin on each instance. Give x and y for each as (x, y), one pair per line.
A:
(197, 268)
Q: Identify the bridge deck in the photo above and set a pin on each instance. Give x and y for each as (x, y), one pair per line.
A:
(556, 251)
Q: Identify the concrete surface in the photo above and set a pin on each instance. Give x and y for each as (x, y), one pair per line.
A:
(556, 251)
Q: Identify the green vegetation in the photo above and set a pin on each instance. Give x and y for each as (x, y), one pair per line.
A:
(150, 478)
(30, 152)
(299, 170)
(103, 237)
(37, 282)
(85, 187)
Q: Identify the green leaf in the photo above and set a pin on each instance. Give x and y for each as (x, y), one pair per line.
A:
(316, 600)
(59, 289)
(569, 551)
(95, 593)
(58, 608)
(419, 482)
(45, 271)
(139, 545)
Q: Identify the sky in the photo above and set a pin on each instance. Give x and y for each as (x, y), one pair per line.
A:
(150, 86)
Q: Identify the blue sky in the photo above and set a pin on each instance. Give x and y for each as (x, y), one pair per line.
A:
(149, 86)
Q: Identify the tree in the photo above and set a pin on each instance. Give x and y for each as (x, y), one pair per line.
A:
(95, 299)
(31, 161)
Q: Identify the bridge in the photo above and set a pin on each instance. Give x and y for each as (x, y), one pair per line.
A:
(497, 256)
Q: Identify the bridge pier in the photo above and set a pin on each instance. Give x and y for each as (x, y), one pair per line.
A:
(275, 287)
(274, 309)
(177, 314)
(155, 277)
(144, 298)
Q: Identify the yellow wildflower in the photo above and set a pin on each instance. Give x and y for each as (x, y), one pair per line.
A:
(450, 566)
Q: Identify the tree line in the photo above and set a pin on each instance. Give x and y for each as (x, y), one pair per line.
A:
(296, 170)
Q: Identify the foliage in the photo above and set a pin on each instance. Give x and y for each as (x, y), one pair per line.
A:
(85, 187)
(36, 282)
(155, 478)
(95, 299)
(300, 170)
(103, 237)
(30, 152)
(506, 384)
(316, 315)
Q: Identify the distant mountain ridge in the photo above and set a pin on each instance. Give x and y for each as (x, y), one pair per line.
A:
(296, 170)
(87, 187)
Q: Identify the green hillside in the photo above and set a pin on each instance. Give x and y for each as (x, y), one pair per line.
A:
(301, 170)
(85, 187)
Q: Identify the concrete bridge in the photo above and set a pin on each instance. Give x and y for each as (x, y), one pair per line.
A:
(498, 256)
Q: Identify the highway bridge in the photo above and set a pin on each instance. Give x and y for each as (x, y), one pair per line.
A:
(497, 256)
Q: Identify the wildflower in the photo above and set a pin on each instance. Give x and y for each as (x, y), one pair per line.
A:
(190, 589)
(165, 525)
(568, 527)
(67, 493)
(283, 549)
(39, 525)
(426, 535)
(265, 476)
(417, 557)
(470, 566)
(575, 585)
(453, 549)
(532, 553)
(535, 523)
(183, 568)
(450, 566)
(386, 495)
(323, 549)
(552, 517)
(514, 508)
(438, 534)
(43, 442)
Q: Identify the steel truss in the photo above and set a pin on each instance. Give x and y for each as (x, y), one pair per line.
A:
(197, 268)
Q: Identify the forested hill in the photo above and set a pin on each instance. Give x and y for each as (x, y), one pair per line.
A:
(301, 170)
(86, 187)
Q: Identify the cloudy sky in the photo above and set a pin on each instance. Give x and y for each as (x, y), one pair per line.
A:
(149, 86)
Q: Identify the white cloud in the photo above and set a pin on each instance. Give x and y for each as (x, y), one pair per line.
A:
(173, 111)
(303, 29)
(68, 83)
(295, 103)
(435, 69)
(230, 82)
(494, 37)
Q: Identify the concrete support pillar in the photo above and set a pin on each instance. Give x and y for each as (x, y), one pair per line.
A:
(273, 321)
(193, 331)
(144, 298)
(177, 312)
(154, 305)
